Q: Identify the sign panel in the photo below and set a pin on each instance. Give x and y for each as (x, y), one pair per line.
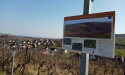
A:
(91, 33)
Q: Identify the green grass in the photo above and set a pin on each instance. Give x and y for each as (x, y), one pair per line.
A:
(1, 73)
(120, 52)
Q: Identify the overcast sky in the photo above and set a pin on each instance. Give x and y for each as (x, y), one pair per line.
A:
(44, 18)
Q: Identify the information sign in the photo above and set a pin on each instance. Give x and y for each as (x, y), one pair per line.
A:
(91, 33)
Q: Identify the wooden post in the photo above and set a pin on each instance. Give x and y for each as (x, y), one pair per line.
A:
(84, 63)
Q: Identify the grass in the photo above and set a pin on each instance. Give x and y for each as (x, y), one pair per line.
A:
(120, 52)
(1, 73)
(120, 40)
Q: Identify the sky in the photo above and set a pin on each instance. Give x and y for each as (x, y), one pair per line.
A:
(45, 18)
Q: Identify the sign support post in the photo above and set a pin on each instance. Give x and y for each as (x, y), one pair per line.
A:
(12, 62)
(84, 63)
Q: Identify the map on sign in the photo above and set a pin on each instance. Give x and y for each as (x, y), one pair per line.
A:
(91, 33)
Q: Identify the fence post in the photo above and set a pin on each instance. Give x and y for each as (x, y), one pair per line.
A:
(12, 62)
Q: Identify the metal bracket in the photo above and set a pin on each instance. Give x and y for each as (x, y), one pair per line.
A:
(92, 0)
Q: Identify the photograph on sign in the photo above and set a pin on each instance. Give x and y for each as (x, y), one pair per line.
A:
(89, 30)
(90, 44)
(77, 46)
(67, 41)
(95, 33)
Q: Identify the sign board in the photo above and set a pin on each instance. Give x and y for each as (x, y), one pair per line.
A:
(91, 33)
